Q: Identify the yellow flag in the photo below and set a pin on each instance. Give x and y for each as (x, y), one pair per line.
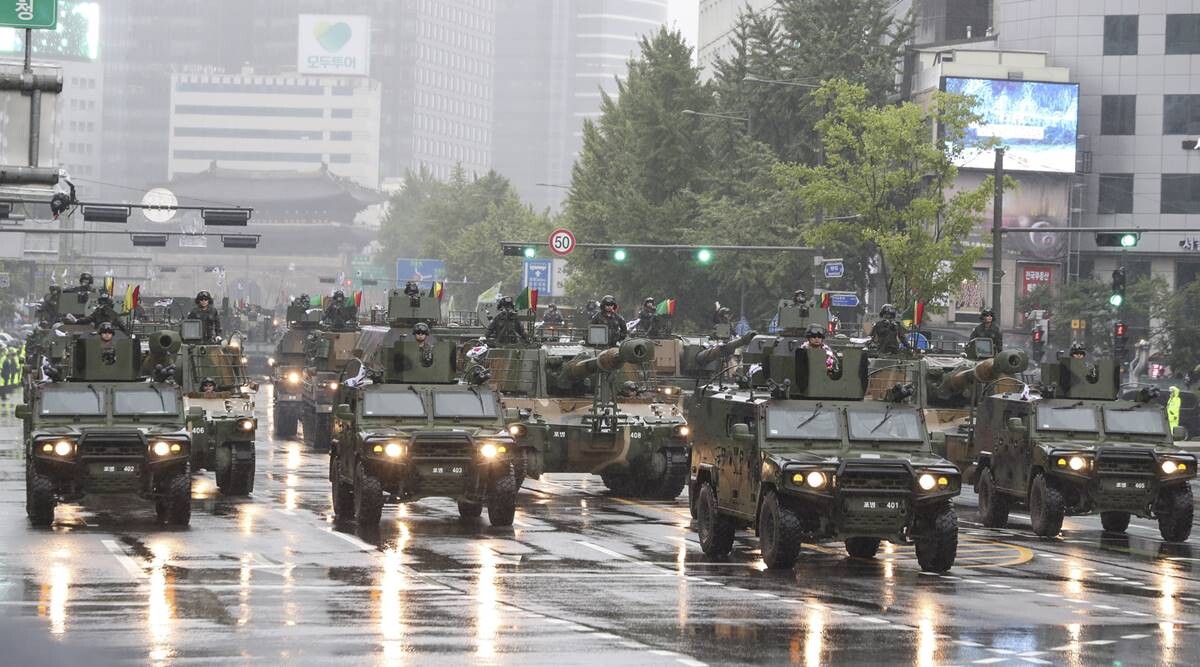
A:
(128, 298)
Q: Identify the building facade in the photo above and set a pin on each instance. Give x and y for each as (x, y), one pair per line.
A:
(717, 20)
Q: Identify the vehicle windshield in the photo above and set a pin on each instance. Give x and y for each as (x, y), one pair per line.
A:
(148, 400)
(894, 424)
(803, 422)
(1146, 421)
(1067, 418)
(392, 404)
(464, 404)
(81, 401)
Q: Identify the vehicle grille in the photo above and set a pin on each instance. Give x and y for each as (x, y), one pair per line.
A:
(442, 447)
(121, 446)
(876, 477)
(1136, 462)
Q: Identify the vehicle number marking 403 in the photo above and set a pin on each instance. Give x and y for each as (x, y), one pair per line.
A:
(440, 470)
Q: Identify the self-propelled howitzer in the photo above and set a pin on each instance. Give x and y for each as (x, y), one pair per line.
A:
(723, 350)
(960, 380)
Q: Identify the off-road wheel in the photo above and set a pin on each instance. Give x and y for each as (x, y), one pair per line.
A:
(39, 500)
(307, 425)
(368, 499)
(470, 510)
(174, 503)
(715, 531)
(993, 505)
(237, 479)
(285, 422)
(1174, 510)
(862, 547)
(778, 532)
(691, 488)
(1047, 507)
(1114, 522)
(670, 481)
(343, 493)
(502, 499)
(618, 482)
(937, 541)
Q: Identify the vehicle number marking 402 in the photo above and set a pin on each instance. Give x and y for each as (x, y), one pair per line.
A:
(120, 468)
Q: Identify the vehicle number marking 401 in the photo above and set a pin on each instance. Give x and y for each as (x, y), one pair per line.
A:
(881, 505)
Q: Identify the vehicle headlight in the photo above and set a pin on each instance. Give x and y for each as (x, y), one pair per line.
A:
(246, 424)
(1077, 463)
(235, 343)
(161, 448)
(245, 360)
(293, 377)
(1172, 466)
(682, 431)
(332, 385)
(270, 361)
(517, 430)
(393, 450)
(816, 479)
(927, 482)
(64, 448)
(489, 450)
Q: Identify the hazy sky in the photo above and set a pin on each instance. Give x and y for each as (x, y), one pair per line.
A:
(685, 15)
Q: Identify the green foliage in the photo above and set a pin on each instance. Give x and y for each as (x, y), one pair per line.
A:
(1177, 330)
(1087, 300)
(891, 184)
(462, 222)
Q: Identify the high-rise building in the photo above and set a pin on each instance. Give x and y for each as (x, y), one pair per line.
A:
(553, 59)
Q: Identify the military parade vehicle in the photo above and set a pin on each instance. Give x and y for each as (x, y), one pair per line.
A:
(793, 451)
(287, 368)
(101, 427)
(588, 407)
(326, 353)
(1071, 448)
(407, 427)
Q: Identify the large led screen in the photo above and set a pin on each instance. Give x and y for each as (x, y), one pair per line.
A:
(1036, 121)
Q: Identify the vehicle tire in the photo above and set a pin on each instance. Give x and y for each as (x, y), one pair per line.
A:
(343, 493)
(1047, 507)
(502, 500)
(1114, 522)
(174, 504)
(321, 432)
(618, 482)
(368, 500)
(993, 505)
(937, 543)
(307, 426)
(670, 483)
(862, 547)
(1174, 510)
(778, 532)
(470, 510)
(691, 489)
(39, 500)
(241, 478)
(715, 531)
(285, 422)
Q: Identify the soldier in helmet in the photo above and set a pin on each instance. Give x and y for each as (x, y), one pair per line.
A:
(987, 328)
(888, 334)
(335, 310)
(420, 332)
(1077, 351)
(84, 286)
(814, 337)
(800, 301)
(207, 314)
(608, 316)
(208, 387)
(552, 317)
(506, 327)
(104, 313)
(647, 317)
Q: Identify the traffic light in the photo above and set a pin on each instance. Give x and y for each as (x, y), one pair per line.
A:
(1119, 339)
(1117, 295)
(516, 250)
(1039, 344)
(619, 255)
(1117, 239)
(704, 255)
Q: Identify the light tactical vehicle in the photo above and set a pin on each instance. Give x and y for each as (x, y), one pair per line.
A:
(796, 454)
(106, 429)
(327, 352)
(287, 369)
(595, 409)
(406, 427)
(1073, 449)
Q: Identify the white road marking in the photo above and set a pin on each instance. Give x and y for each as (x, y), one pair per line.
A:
(359, 544)
(123, 558)
(1134, 636)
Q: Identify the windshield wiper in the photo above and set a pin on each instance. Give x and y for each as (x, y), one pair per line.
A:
(96, 394)
(816, 411)
(887, 414)
(162, 401)
(1067, 407)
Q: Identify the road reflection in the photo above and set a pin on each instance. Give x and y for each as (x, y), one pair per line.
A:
(487, 611)
(160, 612)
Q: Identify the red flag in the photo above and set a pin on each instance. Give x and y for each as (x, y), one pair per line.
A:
(358, 299)
(137, 295)
(918, 313)
(825, 300)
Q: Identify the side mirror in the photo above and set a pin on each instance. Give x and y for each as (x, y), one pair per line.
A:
(21, 412)
(741, 432)
(1177, 433)
(1016, 425)
(343, 411)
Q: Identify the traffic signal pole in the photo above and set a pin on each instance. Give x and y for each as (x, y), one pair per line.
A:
(997, 229)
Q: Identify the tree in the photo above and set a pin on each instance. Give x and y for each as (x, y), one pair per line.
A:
(1087, 301)
(885, 181)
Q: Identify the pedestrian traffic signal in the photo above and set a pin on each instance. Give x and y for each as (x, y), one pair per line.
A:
(704, 255)
(1117, 296)
(1117, 239)
(1039, 344)
(1119, 339)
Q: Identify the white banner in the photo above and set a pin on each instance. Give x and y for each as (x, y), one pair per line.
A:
(334, 44)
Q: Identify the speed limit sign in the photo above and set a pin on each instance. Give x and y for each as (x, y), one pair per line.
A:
(562, 242)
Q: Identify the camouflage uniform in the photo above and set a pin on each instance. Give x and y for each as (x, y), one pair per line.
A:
(506, 328)
(211, 320)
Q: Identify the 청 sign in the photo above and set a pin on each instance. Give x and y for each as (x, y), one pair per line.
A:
(562, 242)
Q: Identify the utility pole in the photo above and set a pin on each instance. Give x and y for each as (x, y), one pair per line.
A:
(998, 232)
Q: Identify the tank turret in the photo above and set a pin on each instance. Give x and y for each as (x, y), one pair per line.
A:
(1081, 378)
(717, 352)
(633, 351)
(408, 306)
(117, 361)
(960, 380)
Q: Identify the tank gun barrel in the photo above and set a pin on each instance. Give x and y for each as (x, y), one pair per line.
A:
(633, 351)
(707, 356)
(1008, 362)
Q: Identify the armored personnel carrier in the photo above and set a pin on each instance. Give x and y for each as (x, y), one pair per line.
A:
(103, 428)
(799, 456)
(592, 408)
(1071, 448)
(287, 368)
(406, 427)
(327, 350)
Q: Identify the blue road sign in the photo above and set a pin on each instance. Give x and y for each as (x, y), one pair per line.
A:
(835, 269)
(843, 300)
(537, 275)
(917, 340)
(423, 271)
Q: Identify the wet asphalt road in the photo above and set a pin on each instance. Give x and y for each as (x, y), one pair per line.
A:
(582, 578)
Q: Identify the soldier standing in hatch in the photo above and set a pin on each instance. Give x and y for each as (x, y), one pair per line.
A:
(888, 335)
(104, 313)
(647, 317)
(506, 327)
(84, 286)
(987, 328)
(207, 314)
(608, 316)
